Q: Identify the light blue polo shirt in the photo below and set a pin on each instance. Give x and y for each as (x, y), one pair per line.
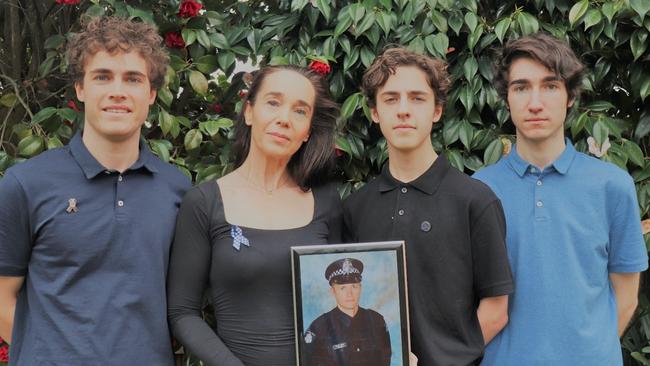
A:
(568, 227)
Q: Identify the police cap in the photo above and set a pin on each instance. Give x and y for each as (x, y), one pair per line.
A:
(342, 271)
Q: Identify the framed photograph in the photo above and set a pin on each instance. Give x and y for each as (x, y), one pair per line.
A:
(351, 305)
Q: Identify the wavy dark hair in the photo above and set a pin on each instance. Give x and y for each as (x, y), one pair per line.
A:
(313, 163)
(554, 54)
(113, 35)
(393, 57)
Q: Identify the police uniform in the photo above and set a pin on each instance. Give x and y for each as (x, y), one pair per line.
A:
(336, 339)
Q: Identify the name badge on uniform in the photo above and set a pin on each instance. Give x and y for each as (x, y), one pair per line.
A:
(339, 346)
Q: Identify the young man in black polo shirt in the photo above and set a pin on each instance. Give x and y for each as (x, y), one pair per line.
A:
(458, 273)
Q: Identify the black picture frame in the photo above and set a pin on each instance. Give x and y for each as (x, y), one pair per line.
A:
(383, 291)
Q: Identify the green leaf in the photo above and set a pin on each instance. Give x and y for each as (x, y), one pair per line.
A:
(644, 91)
(219, 41)
(643, 127)
(189, 36)
(471, 20)
(466, 97)
(642, 7)
(225, 60)
(528, 24)
(367, 56)
(365, 24)
(466, 134)
(298, 5)
(160, 148)
(325, 8)
(474, 37)
(493, 152)
(600, 106)
(451, 131)
(609, 10)
(193, 139)
(501, 28)
(254, 39)
(600, 132)
(638, 43)
(455, 22)
(342, 25)
(166, 121)
(54, 42)
(634, 153)
(278, 60)
(579, 124)
(455, 159)
(66, 114)
(199, 82)
(350, 105)
(343, 144)
(53, 142)
(592, 18)
(206, 64)
(203, 38)
(441, 44)
(211, 127)
(385, 22)
(43, 115)
(577, 11)
(165, 96)
(8, 100)
(470, 67)
(30, 146)
(350, 59)
(439, 21)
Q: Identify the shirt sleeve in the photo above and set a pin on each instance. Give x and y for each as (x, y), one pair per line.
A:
(627, 250)
(335, 217)
(189, 269)
(349, 232)
(492, 276)
(15, 232)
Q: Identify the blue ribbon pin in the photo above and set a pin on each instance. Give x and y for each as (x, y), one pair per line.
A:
(238, 237)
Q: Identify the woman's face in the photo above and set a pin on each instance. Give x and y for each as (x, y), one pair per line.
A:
(281, 116)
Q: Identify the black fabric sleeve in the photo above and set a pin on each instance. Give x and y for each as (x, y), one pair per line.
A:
(15, 232)
(385, 344)
(335, 216)
(492, 276)
(349, 234)
(189, 270)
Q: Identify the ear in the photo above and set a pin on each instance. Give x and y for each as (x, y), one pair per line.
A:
(152, 96)
(248, 113)
(79, 90)
(570, 102)
(437, 113)
(374, 114)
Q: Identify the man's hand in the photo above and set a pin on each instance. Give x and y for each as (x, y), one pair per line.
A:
(9, 287)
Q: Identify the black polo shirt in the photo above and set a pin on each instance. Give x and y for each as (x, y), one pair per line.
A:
(93, 246)
(454, 229)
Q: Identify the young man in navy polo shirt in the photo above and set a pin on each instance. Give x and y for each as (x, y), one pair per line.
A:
(574, 235)
(85, 230)
(453, 225)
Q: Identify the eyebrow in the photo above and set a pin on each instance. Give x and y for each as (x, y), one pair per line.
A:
(410, 92)
(279, 94)
(527, 81)
(109, 71)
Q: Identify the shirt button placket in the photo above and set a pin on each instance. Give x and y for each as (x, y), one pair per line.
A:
(539, 198)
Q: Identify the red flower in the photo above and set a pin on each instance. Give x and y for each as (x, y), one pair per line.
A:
(72, 105)
(216, 107)
(320, 67)
(174, 40)
(243, 93)
(189, 8)
(68, 2)
(450, 50)
(4, 353)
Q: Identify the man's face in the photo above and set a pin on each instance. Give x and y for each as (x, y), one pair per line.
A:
(406, 109)
(117, 93)
(347, 295)
(538, 102)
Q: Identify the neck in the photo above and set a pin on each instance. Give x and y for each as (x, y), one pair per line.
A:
(264, 173)
(350, 312)
(407, 166)
(540, 153)
(113, 155)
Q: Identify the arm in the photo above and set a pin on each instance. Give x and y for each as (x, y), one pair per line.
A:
(492, 315)
(189, 269)
(626, 289)
(9, 287)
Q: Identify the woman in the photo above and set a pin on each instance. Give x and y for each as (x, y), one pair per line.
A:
(233, 235)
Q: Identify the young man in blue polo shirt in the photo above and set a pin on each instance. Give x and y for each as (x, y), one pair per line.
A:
(574, 236)
(85, 230)
(453, 225)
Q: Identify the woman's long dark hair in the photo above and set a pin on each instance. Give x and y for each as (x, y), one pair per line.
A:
(312, 164)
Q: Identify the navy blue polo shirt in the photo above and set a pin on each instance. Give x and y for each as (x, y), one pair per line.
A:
(93, 246)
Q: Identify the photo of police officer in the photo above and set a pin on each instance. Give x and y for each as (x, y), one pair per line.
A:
(347, 335)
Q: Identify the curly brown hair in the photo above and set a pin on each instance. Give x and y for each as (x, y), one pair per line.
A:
(385, 64)
(554, 54)
(113, 35)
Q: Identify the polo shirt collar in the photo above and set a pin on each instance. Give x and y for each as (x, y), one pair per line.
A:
(91, 167)
(561, 164)
(428, 182)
